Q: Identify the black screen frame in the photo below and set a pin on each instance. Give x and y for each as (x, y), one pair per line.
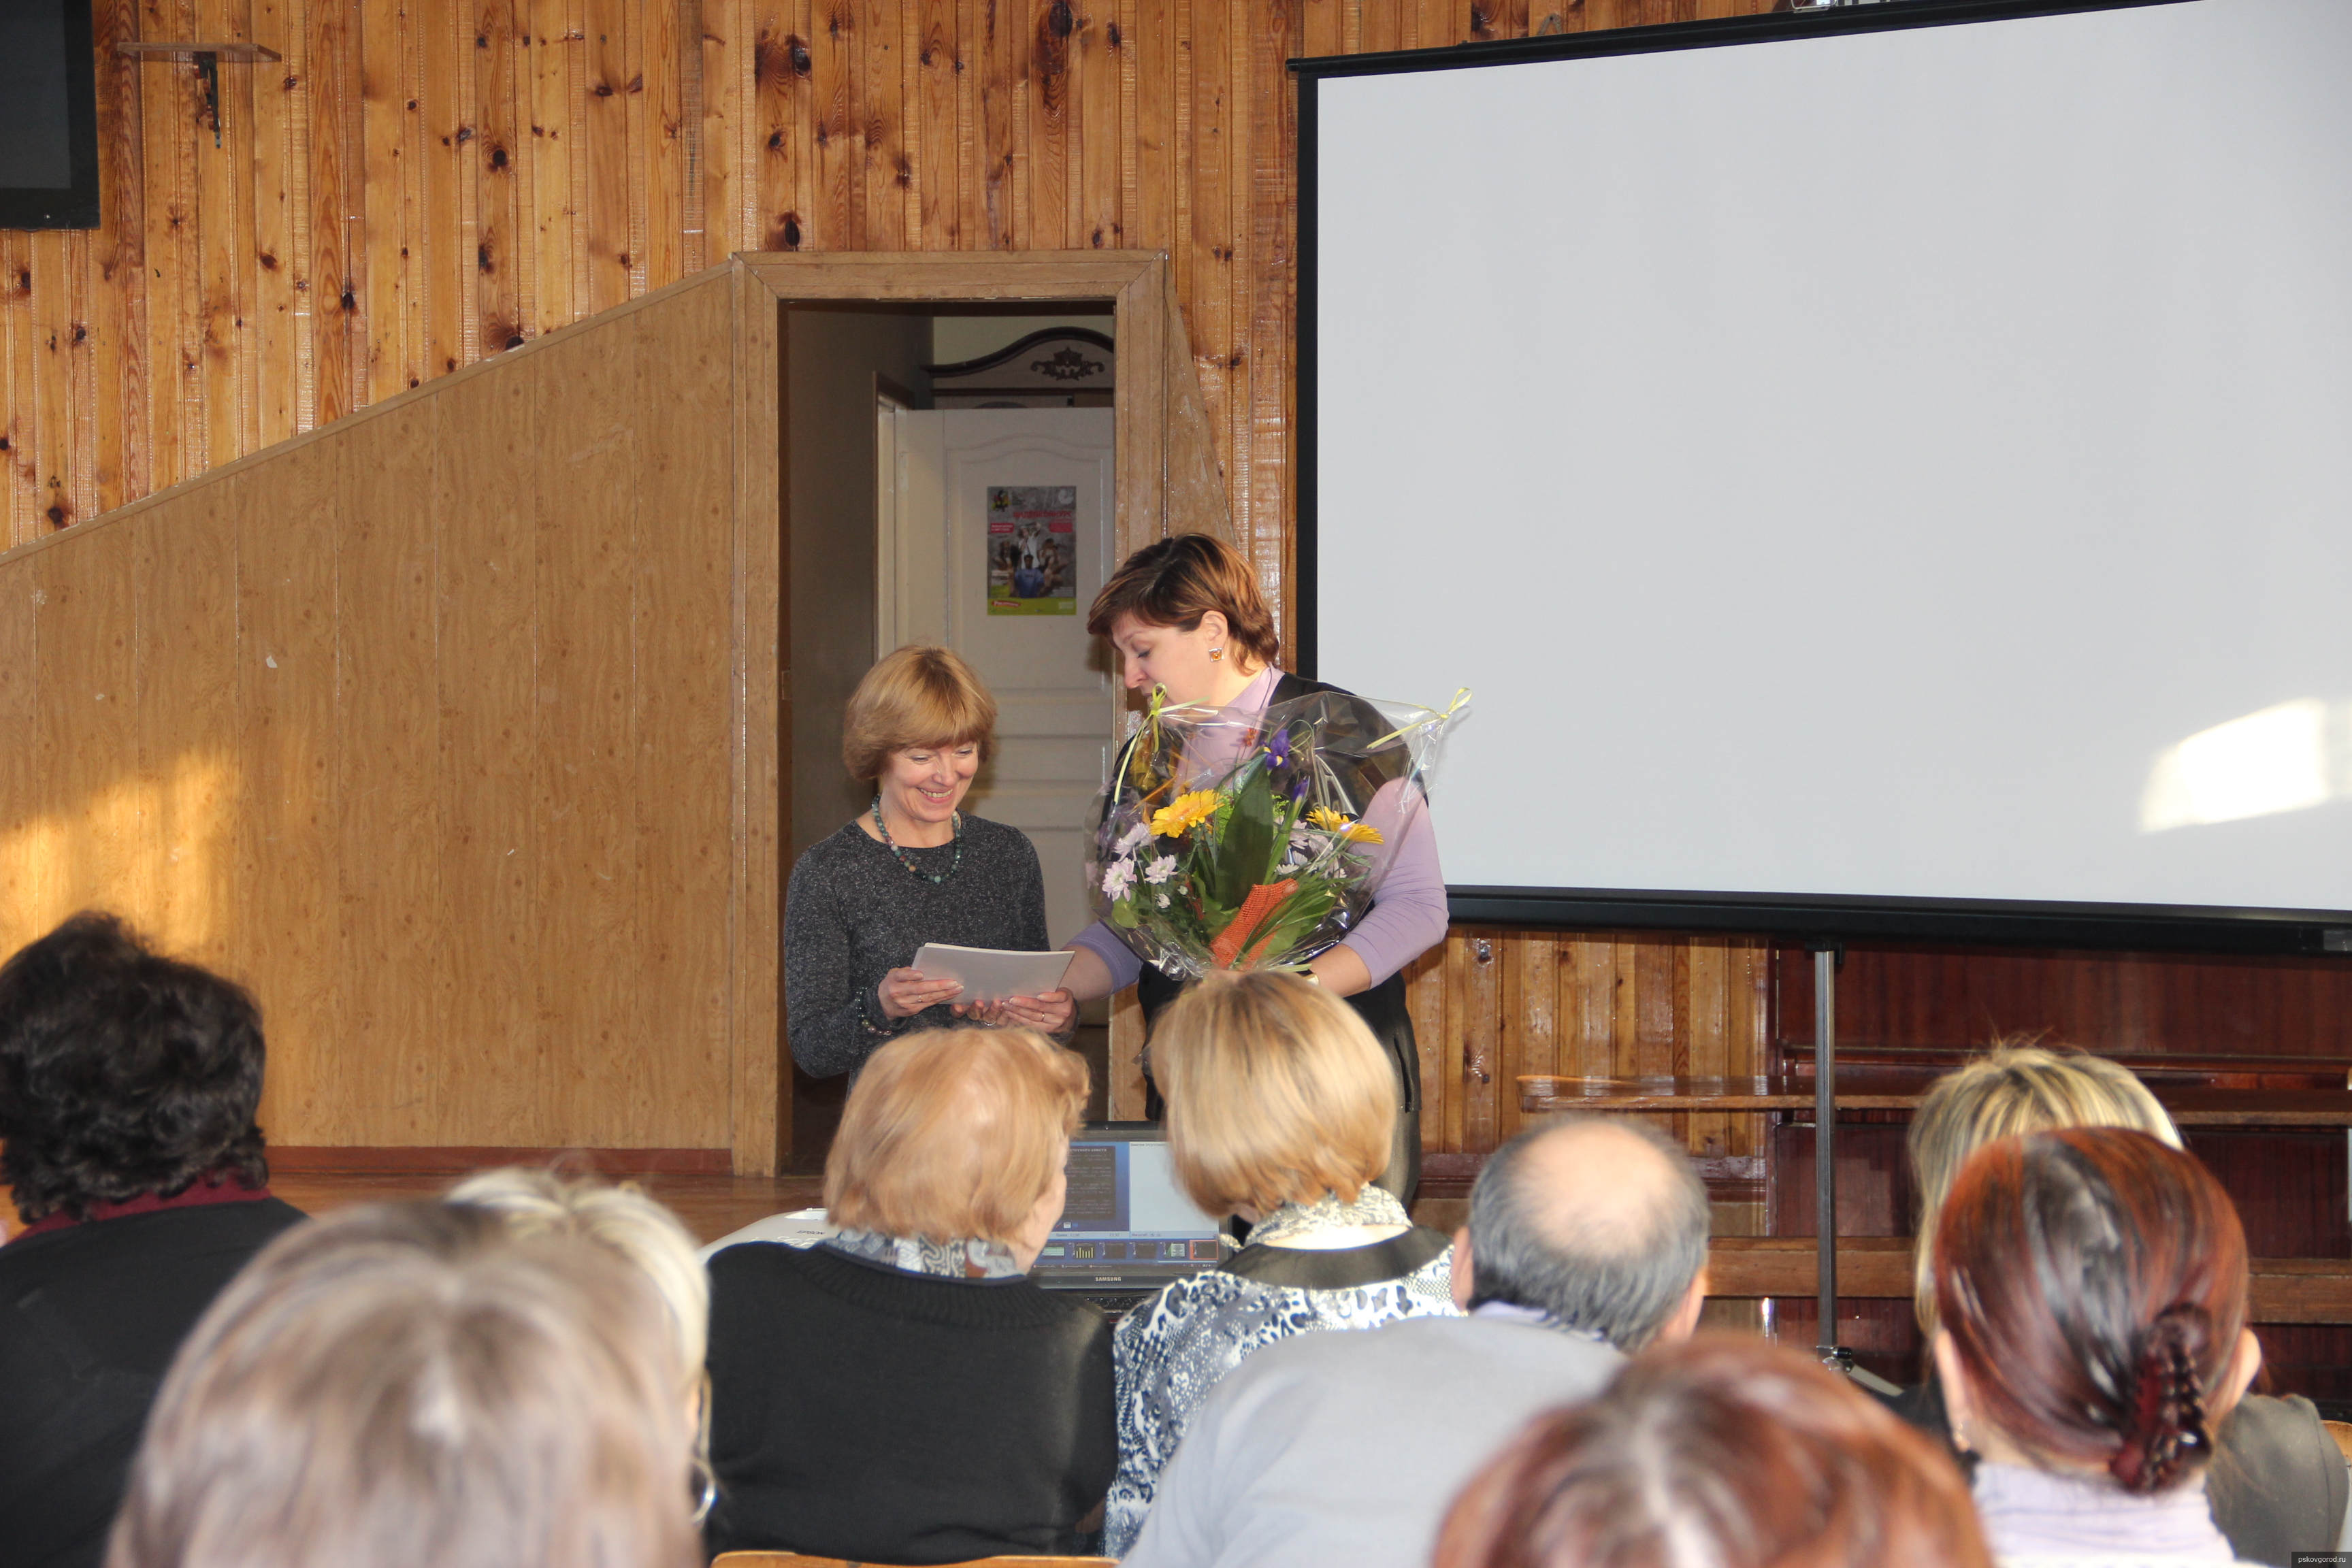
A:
(75, 205)
(1806, 915)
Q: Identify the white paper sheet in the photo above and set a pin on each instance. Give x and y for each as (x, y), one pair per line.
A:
(991, 973)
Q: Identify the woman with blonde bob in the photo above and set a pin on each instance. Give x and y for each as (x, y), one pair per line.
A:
(911, 868)
(1280, 1107)
(407, 1383)
(901, 1392)
(2277, 1482)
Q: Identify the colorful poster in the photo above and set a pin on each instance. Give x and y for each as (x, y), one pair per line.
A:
(1033, 550)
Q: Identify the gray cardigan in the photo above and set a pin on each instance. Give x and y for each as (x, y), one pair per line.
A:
(853, 913)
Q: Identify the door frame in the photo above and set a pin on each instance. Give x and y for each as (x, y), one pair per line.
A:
(1164, 478)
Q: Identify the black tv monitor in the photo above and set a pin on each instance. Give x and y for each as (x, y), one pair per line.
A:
(48, 116)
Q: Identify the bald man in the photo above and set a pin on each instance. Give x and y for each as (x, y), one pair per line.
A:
(1587, 1241)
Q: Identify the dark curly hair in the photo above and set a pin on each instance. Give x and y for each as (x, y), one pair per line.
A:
(123, 1072)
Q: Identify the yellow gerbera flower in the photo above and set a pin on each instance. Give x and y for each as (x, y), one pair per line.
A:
(1353, 832)
(1185, 812)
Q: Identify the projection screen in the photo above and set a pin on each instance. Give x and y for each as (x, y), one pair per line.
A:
(1888, 471)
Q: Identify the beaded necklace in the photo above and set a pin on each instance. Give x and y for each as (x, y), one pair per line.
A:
(909, 860)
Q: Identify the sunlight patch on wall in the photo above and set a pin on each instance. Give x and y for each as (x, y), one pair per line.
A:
(158, 849)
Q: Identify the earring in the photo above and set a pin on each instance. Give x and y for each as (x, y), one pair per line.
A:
(1216, 653)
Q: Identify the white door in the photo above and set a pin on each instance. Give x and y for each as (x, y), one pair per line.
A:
(995, 535)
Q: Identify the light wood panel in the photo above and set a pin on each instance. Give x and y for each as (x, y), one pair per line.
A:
(429, 726)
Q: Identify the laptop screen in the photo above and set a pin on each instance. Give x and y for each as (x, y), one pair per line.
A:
(1125, 1216)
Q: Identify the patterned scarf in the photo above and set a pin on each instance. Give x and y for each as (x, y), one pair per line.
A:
(967, 1259)
(1373, 1206)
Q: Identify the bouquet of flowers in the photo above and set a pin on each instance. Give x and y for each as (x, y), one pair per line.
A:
(1255, 841)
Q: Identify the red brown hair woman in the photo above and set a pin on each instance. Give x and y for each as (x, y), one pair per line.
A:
(2091, 1292)
(1723, 1451)
(1185, 614)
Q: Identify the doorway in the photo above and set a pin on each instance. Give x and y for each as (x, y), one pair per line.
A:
(985, 526)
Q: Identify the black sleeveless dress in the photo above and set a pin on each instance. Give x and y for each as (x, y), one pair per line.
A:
(1382, 1008)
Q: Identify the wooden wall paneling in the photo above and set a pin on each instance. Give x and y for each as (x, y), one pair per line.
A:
(997, 56)
(22, 833)
(588, 533)
(1424, 996)
(444, 113)
(503, 77)
(1098, 141)
(1204, 239)
(932, 61)
(388, 1060)
(783, 80)
(1529, 1025)
(289, 594)
(85, 699)
(19, 384)
(970, 224)
(222, 143)
(185, 574)
(382, 296)
(730, 185)
(684, 396)
(1141, 414)
(885, 178)
(53, 424)
(119, 259)
(612, 180)
(760, 786)
(1262, 438)
(1480, 1048)
(170, 110)
(1148, 55)
(485, 772)
(552, 43)
(670, 128)
(833, 76)
(274, 99)
(325, 379)
(1051, 24)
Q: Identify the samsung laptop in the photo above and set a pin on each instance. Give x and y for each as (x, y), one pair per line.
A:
(1127, 1228)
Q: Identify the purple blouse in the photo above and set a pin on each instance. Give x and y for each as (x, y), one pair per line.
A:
(1407, 921)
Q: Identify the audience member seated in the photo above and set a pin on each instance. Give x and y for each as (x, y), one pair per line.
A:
(2277, 1483)
(645, 1234)
(400, 1385)
(1280, 1106)
(2091, 1294)
(1587, 1239)
(127, 1087)
(901, 1392)
(1719, 1452)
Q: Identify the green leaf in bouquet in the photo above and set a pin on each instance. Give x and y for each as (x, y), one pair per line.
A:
(1300, 914)
(1246, 847)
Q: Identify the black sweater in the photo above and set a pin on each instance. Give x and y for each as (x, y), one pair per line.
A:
(858, 1411)
(89, 1318)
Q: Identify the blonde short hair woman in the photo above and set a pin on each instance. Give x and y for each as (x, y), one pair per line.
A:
(2277, 1479)
(1280, 1104)
(901, 1392)
(912, 868)
(406, 1384)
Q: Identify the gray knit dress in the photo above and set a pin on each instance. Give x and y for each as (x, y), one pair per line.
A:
(853, 913)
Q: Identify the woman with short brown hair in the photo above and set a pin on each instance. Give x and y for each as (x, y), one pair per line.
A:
(900, 1392)
(1720, 1451)
(1279, 1109)
(913, 869)
(1185, 614)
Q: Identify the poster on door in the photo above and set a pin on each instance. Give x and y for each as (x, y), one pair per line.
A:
(1033, 550)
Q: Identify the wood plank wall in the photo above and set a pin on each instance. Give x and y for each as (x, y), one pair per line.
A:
(421, 727)
(418, 184)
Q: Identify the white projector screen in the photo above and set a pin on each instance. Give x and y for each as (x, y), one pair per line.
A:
(1863, 464)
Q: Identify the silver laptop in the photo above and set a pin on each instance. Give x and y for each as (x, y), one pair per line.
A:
(1127, 1228)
